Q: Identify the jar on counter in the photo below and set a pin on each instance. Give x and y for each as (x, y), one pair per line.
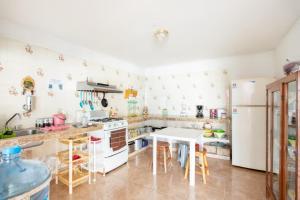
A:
(39, 123)
(46, 122)
(51, 121)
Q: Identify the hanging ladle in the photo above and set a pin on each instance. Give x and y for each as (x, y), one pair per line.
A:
(104, 102)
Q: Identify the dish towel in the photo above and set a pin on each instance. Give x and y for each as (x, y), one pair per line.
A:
(182, 154)
(183, 151)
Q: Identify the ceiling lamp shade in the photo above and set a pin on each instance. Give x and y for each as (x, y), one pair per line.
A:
(161, 34)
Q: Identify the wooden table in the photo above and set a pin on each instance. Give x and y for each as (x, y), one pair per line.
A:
(192, 136)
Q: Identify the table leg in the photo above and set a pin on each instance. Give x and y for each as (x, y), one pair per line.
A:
(171, 148)
(192, 163)
(154, 154)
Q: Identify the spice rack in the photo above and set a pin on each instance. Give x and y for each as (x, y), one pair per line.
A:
(73, 160)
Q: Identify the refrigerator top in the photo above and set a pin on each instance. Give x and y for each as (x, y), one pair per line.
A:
(249, 92)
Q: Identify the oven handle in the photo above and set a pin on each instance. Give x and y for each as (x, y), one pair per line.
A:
(110, 141)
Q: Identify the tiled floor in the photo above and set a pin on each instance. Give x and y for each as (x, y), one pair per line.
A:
(135, 181)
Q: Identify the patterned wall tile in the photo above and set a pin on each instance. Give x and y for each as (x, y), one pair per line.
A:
(51, 66)
(1, 67)
(84, 63)
(28, 49)
(61, 57)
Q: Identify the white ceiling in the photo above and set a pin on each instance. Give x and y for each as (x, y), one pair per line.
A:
(199, 29)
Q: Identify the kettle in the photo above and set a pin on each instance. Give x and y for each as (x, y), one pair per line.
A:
(59, 119)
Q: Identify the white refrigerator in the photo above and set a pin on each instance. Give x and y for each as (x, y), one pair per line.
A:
(248, 104)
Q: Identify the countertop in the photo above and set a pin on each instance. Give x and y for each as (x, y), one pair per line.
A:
(72, 131)
(175, 118)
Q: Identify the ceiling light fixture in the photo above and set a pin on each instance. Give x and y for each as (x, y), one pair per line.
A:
(161, 34)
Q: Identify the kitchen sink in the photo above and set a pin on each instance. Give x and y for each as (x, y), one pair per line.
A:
(24, 132)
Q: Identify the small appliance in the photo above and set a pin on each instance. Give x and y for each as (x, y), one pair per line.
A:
(59, 119)
(199, 111)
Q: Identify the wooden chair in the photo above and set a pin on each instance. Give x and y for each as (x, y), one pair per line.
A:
(202, 164)
(164, 155)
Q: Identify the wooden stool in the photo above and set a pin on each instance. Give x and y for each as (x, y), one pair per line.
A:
(164, 154)
(201, 155)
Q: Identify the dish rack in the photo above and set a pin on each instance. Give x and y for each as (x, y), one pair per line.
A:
(73, 160)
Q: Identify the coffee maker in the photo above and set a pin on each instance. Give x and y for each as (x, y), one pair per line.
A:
(199, 111)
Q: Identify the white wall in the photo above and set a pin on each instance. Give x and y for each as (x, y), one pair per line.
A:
(202, 82)
(16, 63)
(288, 48)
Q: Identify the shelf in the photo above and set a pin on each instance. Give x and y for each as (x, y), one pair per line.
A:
(137, 151)
(139, 137)
(214, 139)
(77, 140)
(292, 126)
(291, 194)
(189, 118)
(211, 155)
(78, 177)
(64, 157)
(138, 119)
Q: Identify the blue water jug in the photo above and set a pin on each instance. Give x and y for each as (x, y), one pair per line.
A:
(19, 177)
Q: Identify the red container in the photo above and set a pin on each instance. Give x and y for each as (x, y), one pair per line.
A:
(59, 119)
(213, 113)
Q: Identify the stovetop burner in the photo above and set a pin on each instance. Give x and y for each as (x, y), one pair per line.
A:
(106, 119)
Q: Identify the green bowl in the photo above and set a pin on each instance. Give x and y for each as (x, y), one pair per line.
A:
(219, 134)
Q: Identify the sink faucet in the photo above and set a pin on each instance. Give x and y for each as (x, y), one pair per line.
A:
(16, 114)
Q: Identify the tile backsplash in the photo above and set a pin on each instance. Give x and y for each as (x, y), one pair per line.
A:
(170, 89)
(18, 59)
(182, 92)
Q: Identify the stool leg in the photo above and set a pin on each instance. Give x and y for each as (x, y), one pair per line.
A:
(206, 165)
(201, 162)
(165, 160)
(169, 157)
(187, 168)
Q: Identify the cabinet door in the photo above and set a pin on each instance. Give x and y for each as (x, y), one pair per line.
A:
(276, 143)
(291, 141)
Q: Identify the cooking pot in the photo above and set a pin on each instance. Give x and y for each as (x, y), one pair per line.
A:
(59, 119)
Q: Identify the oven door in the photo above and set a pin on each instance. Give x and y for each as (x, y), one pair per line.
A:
(116, 141)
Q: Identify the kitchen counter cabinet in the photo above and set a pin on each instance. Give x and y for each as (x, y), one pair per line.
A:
(48, 136)
(138, 119)
(47, 151)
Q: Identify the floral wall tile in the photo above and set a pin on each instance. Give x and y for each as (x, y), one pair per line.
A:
(28, 49)
(190, 89)
(61, 57)
(48, 101)
(1, 67)
(13, 91)
(40, 72)
(69, 77)
(84, 63)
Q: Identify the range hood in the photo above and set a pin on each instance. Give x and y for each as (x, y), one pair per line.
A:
(97, 87)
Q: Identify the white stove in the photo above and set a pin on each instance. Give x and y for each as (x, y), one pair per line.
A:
(112, 151)
(111, 123)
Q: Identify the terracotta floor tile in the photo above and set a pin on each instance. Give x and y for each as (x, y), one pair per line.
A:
(135, 181)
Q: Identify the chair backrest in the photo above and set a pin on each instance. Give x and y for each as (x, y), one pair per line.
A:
(200, 143)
